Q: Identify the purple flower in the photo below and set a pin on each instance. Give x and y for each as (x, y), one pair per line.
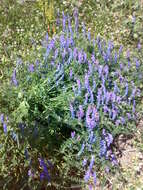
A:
(79, 85)
(31, 68)
(121, 66)
(129, 116)
(86, 98)
(120, 50)
(62, 41)
(81, 150)
(45, 173)
(139, 46)
(88, 35)
(30, 173)
(106, 70)
(114, 114)
(116, 89)
(93, 58)
(129, 64)
(87, 176)
(72, 111)
(14, 78)
(64, 22)
(107, 169)
(91, 117)
(85, 57)
(75, 51)
(94, 178)
(100, 68)
(5, 128)
(69, 25)
(137, 64)
(122, 120)
(133, 19)
(80, 112)
(56, 54)
(109, 139)
(14, 136)
(126, 90)
(84, 162)
(105, 108)
(86, 81)
(103, 148)
(71, 73)
(134, 106)
(117, 122)
(90, 68)
(118, 99)
(72, 134)
(92, 162)
(2, 118)
(47, 37)
(80, 56)
(90, 187)
(113, 160)
(115, 57)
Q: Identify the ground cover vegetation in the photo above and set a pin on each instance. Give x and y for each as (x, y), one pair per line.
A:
(67, 90)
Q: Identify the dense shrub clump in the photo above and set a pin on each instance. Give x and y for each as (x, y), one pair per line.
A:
(65, 109)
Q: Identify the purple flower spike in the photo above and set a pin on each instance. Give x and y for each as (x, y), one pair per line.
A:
(5, 128)
(64, 22)
(117, 123)
(122, 120)
(81, 150)
(86, 98)
(31, 68)
(72, 111)
(80, 112)
(47, 37)
(30, 173)
(139, 46)
(94, 178)
(45, 173)
(109, 139)
(133, 19)
(79, 85)
(90, 187)
(75, 52)
(137, 64)
(84, 162)
(71, 73)
(129, 116)
(88, 35)
(87, 176)
(134, 106)
(14, 78)
(114, 114)
(120, 50)
(86, 81)
(103, 148)
(2, 118)
(80, 57)
(72, 134)
(92, 162)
